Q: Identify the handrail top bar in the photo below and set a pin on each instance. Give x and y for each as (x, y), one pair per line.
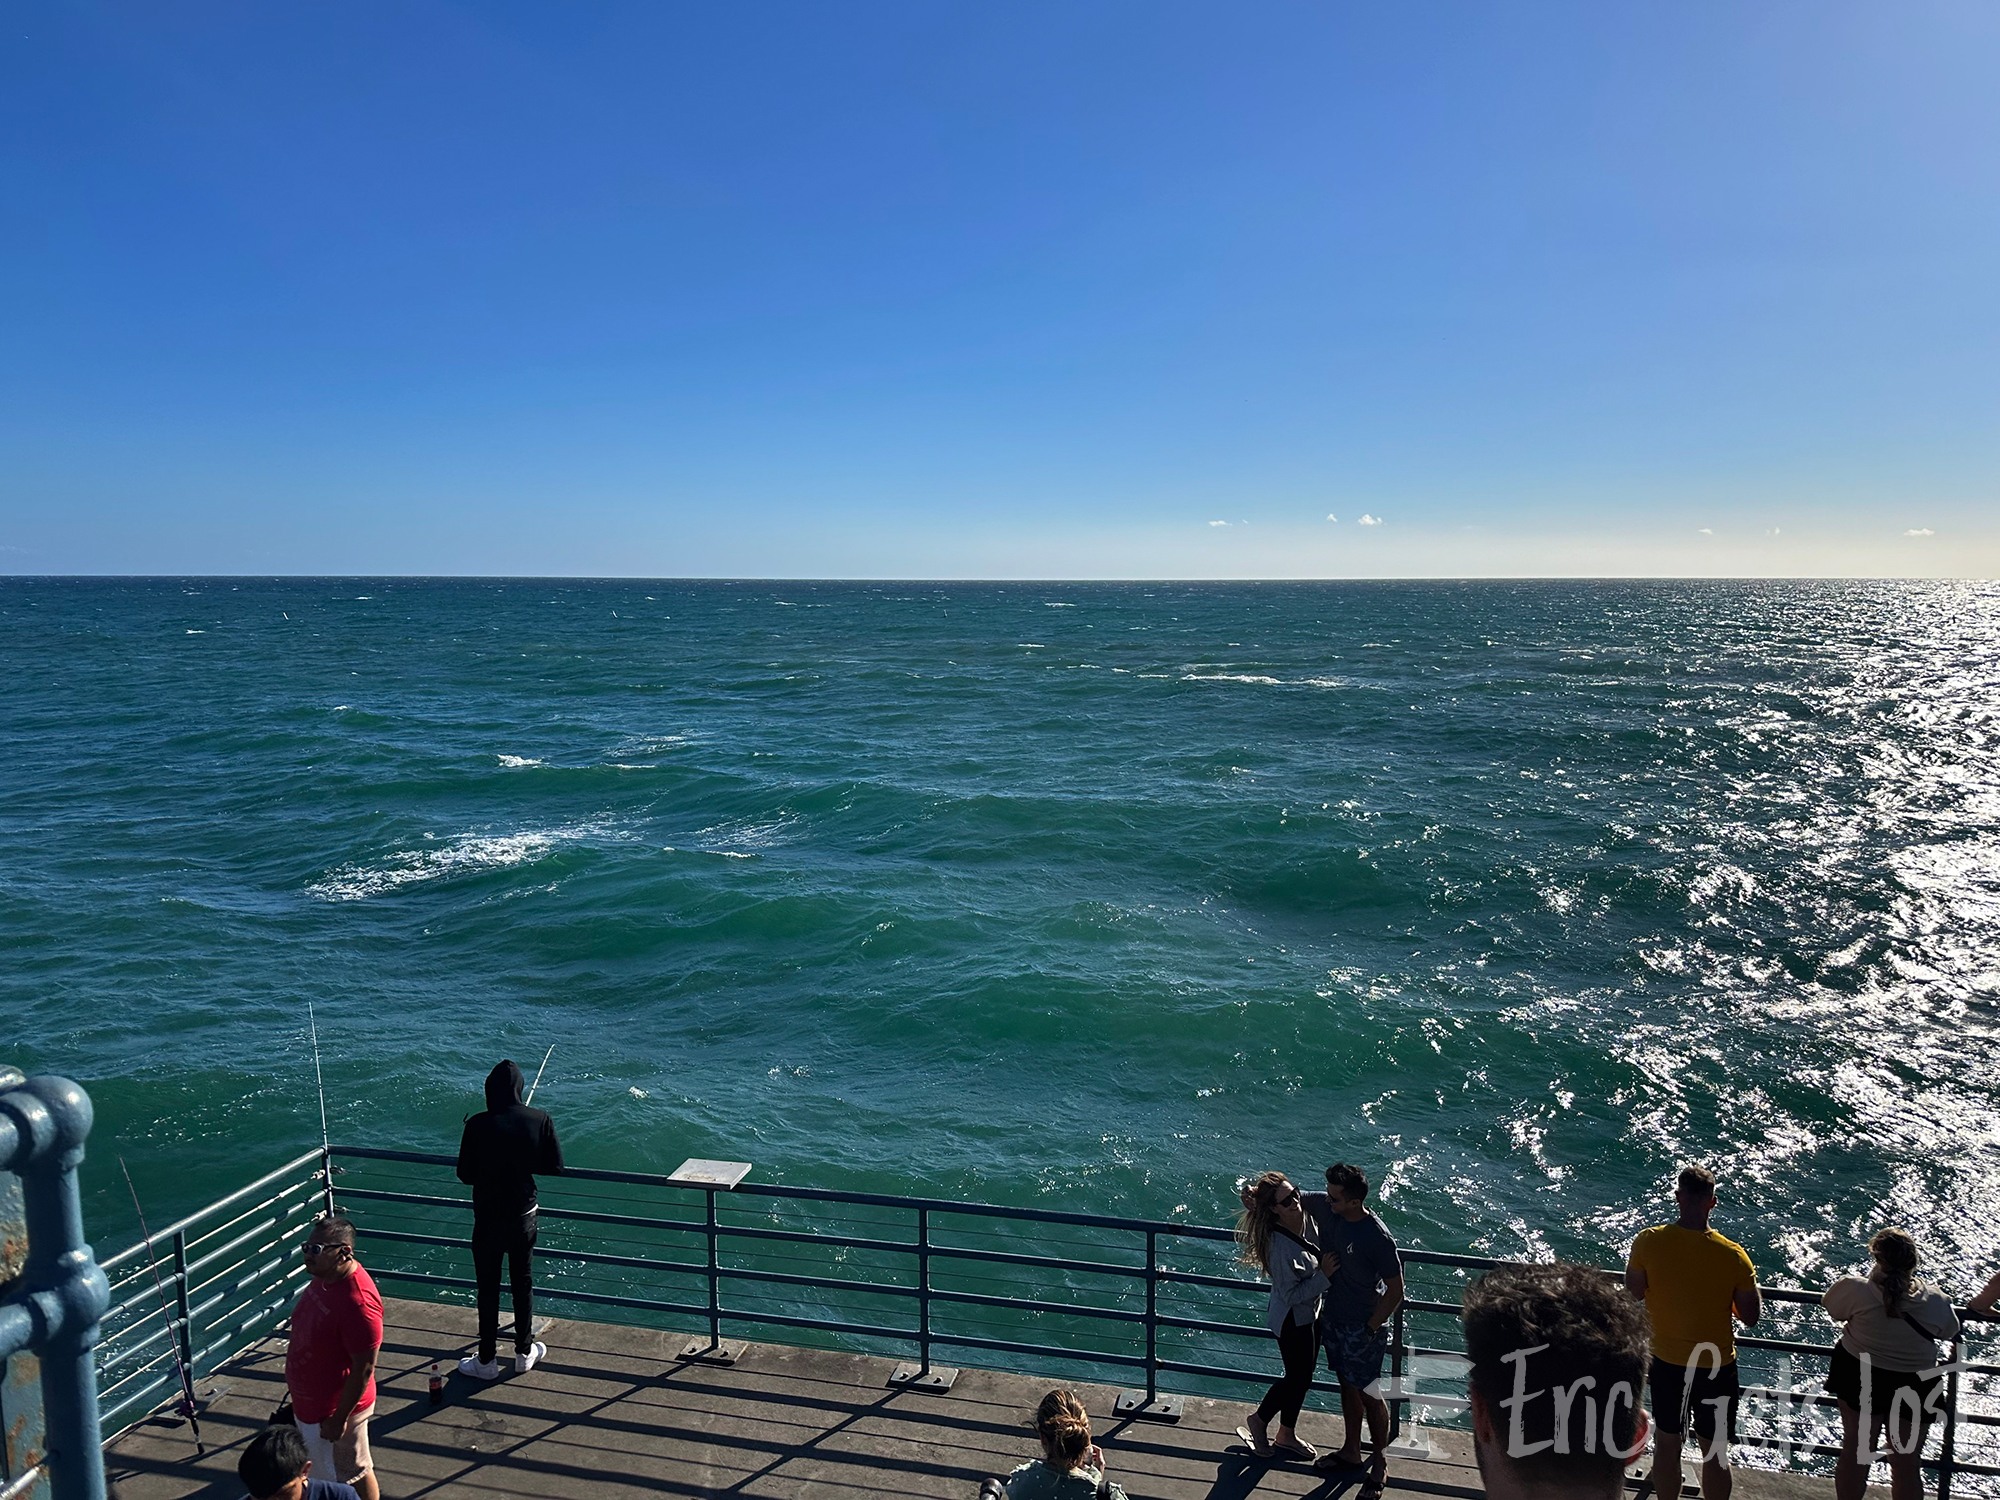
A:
(826, 1195)
(208, 1208)
(960, 1206)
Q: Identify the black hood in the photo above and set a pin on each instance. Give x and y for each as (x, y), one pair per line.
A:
(504, 1086)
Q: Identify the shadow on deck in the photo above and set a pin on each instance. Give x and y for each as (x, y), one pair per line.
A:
(613, 1412)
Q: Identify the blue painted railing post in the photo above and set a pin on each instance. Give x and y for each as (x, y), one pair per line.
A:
(52, 1308)
(21, 1387)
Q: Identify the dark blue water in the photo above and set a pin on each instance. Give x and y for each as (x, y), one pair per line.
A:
(1093, 896)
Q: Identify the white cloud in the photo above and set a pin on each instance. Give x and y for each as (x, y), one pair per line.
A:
(1704, 531)
(1920, 531)
(1218, 523)
(1369, 521)
(1772, 532)
(1331, 516)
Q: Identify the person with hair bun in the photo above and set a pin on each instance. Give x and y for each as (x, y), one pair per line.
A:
(1071, 1466)
(1885, 1367)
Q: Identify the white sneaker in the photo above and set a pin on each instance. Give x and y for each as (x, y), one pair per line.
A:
(526, 1359)
(471, 1366)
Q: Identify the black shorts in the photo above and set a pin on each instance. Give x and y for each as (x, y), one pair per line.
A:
(1907, 1417)
(1712, 1395)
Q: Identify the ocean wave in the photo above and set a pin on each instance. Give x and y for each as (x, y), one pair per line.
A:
(1259, 679)
(467, 854)
(517, 762)
(738, 835)
(657, 744)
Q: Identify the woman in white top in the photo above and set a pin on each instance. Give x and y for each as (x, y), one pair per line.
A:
(1272, 1236)
(1885, 1367)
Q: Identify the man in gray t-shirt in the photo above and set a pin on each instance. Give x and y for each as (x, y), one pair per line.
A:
(1353, 1326)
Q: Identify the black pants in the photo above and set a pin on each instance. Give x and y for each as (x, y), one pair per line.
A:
(515, 1240)
(1298, 1345)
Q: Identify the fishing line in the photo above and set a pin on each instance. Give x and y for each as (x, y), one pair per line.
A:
(538, 1074)
(173, 1338)
(319, 1083)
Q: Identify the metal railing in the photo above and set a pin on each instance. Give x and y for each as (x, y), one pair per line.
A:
(228, 1275)
(52, 1293)
(1075, 1296)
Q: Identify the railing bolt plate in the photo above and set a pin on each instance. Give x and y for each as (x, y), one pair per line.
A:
(1415, 1443)
(911, 1376)
(1159, 1409)
(701, 1351)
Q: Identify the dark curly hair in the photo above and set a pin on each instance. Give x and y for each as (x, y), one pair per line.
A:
(1588, 1337)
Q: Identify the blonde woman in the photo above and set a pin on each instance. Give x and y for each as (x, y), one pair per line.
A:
(1071, 1466)
(1884, 1369)
(1272, 1236)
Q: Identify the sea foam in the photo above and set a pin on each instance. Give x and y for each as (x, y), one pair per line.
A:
(466, 855)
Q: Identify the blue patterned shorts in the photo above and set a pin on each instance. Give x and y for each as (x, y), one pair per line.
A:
(1353, 1353)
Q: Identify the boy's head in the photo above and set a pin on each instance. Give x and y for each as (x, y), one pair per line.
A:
(274, 1464)
(1559, 1356)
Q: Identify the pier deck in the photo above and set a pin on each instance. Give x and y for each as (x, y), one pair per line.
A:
(613, 1412)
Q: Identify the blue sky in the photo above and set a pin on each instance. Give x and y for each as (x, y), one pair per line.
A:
(943, 290)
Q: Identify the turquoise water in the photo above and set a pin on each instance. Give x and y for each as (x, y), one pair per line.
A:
(1089, 896)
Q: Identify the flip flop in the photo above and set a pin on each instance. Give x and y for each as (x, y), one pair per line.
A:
(1303, 1451)
(1338, 1462)
(1261, 1449)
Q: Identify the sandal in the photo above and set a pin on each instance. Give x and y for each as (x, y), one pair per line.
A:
(1297, 1448)
(1337, 1462)
(1376, 1482)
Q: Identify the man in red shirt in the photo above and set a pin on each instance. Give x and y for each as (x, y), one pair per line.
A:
(330, 1362)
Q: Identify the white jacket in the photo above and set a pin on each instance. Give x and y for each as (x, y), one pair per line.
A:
(1883, 1336)
(1297, 1283)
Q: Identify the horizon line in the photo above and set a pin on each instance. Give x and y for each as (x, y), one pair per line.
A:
(797, 578)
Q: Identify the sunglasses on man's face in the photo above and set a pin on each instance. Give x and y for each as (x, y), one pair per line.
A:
(314, 1247)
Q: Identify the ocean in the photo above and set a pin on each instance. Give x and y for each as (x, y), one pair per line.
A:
(1088, 896)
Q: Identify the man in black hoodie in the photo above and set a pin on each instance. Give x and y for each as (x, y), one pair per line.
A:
(498, 1157)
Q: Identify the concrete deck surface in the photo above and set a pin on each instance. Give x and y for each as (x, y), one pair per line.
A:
(614, 1412)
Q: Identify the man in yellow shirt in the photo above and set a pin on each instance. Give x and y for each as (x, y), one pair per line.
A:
(1692, 1281)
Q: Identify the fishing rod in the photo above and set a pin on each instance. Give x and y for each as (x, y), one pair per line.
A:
(319, 1083)
(187, 1406)
(538, 1074)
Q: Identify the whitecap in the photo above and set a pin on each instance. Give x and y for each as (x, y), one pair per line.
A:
(466, 855)
(1231, 677)
(654, 745)
(720, 837)
(515, 762)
